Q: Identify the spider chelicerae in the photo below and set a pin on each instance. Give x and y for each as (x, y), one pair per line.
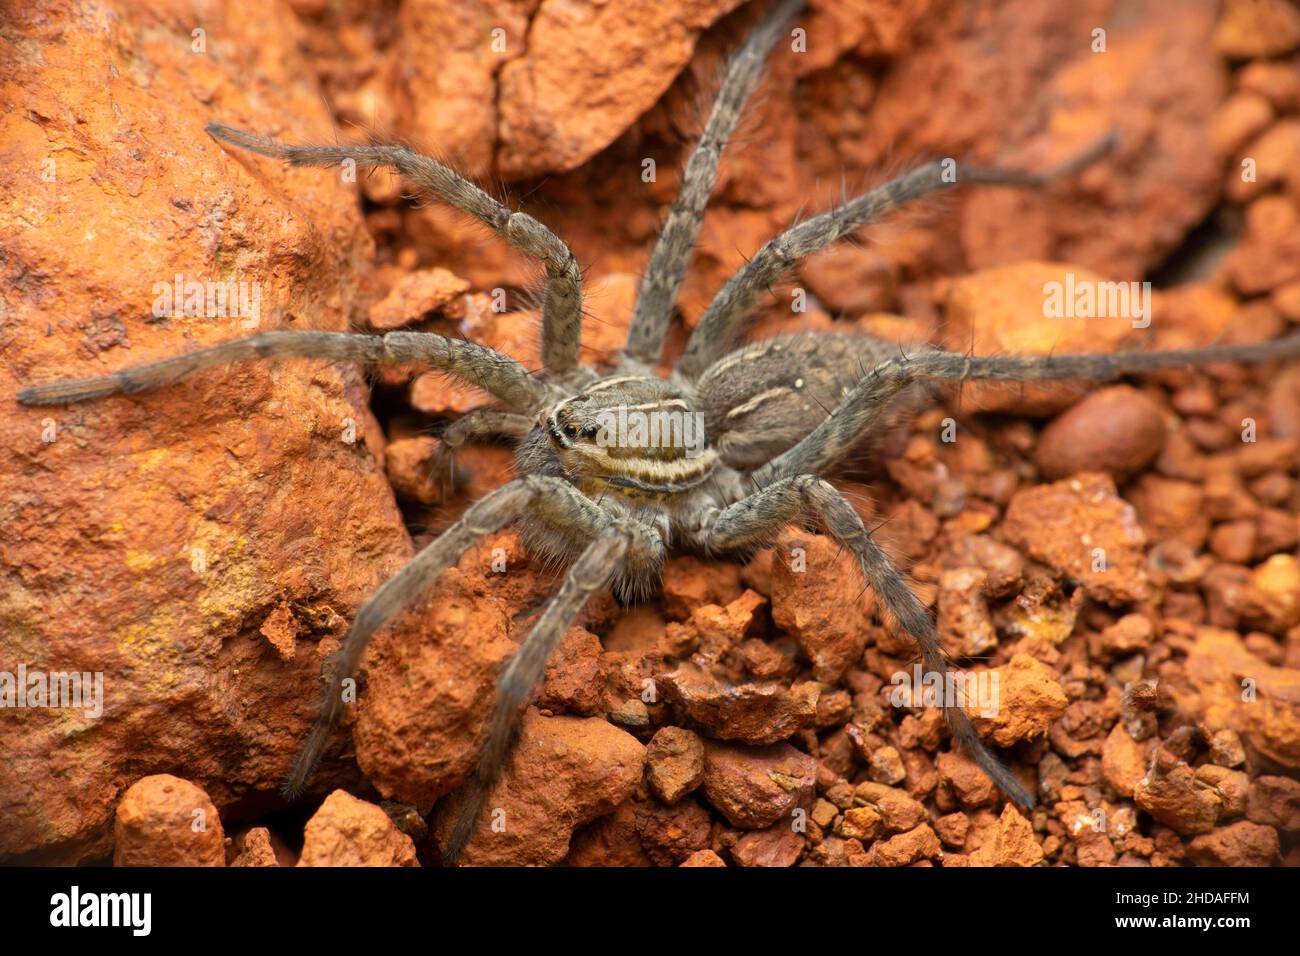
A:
(619, 464)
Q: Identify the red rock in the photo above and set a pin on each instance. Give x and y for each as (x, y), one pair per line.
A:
(1274, 801)
(755, 713)
(1085, 532)
(1078, 732)
(255, 849)
(631, 713)
(572, 682)
(1226, 749)
(563, 773)
(1232, 785)
(1171, 795)
(721, 628)
(885, 765)
(1011, 842)
(1268, 254)
(1264, 712)
(862, 823)
(703, 858)
(346, 831)
(1029, 698)
(1174, 511)
(431, 680)
(824, 813)
(409, 463)
(965, 627)
(690, 583)
(870, 120)
(1276, 81)
(1278, 579)
(779, 845)
(1242, 116)
(137, 491)
(1257, 28)
(904, 849)
(1094, 849)
(971, 785)
(897, 809)
(1117, 430)
(1274, 153)
(165, 821)
(818, 598)
(763, 661)
(753, 787)
(952, 828)
(612, 840)
(414, 296)
(1123, 761)
(1284, 403)
(1129, 635)
(553, 118)
(1003, 567)
(848, 118)
(674, 763)
(1240, 844)
(669, 835)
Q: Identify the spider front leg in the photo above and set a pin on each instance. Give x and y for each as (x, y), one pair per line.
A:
(619, 542)
(476, 425)
(545, 497)
(497, 374)
(562, 303)
(757, 518)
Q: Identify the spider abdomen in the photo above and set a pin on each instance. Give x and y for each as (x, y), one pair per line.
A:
(761, 399)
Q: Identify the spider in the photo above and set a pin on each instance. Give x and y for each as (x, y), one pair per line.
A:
(603, 499)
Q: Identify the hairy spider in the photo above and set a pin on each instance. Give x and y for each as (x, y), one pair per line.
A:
(610, 504)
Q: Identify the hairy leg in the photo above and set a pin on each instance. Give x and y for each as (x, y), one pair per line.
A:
(859, 413)
(720, 326)
(538, 495)
(757, 518)
(497, 374)
(476, 425)
(593, 570)
(672, 252)
(562, 305)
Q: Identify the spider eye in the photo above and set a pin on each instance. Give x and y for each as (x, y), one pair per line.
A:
(571, 431)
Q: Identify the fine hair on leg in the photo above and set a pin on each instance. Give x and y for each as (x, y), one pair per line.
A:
(757, 518)
(562, 300)
(672, 252)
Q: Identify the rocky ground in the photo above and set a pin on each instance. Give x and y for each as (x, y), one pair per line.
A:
(206, 546)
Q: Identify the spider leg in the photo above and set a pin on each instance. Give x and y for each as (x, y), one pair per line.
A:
(477, 424)
(541, 495)
(861, 409)
(497, 374)
(758, 517)
(562, 304)
(593, 570)
(672, 252)
(720, 325)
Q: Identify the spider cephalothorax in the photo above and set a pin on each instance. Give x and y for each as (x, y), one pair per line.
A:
(619, 465)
